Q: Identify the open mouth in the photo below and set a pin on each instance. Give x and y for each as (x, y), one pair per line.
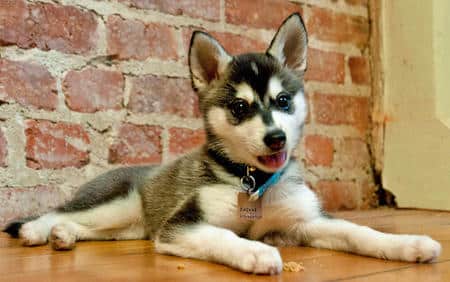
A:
(273, 161)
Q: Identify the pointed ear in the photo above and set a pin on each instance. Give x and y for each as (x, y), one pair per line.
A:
(290, 43)
(207, 59)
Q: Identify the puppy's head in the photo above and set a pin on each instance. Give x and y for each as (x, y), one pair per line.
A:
(253, 104)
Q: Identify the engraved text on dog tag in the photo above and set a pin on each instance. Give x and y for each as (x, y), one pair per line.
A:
(249, 209)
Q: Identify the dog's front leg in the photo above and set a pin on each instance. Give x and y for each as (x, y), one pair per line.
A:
(207, 242)
(337, 234)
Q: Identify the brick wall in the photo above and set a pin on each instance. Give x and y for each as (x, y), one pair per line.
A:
(89, 85)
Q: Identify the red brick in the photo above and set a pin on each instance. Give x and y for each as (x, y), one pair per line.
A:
(3, 149)
(206, 9)
(319, 150)
(153, 94)
(132, 39)
(28, 84)
(325, 66)
(233, 43)
(47, 27)
(183, 140)
(92, 90)
(340, 109)
(12, 22)
(237, 44)
(19, 202)
(352, 153)
(55, 145)
(267, 14)
(137, 144)
(338, 195)
(327, 25)
(359, 70)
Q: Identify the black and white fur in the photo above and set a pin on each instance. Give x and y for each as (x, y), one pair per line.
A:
(189, 207)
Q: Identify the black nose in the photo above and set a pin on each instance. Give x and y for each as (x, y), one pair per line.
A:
(275, 140)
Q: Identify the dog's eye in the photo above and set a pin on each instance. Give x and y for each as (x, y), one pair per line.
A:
(239, 108)
(283, 101)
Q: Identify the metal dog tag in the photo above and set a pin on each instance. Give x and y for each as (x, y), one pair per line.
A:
(247, 209)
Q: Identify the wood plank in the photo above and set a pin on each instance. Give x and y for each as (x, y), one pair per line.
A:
(136, 260)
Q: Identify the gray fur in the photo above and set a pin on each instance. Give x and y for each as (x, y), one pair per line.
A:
(166, 195)
(107, 187)
(103, 189)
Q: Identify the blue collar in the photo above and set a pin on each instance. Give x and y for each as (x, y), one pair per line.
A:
(270, 182)
(262, 180)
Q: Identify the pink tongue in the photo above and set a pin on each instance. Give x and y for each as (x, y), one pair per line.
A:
(274, 161)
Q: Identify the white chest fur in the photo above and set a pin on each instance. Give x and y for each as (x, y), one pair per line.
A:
(282, 205)
(219, 204)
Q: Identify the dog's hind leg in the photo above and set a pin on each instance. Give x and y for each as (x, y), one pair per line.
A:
(108, 207)
(120, 219)
(34, 232)
(63, 236)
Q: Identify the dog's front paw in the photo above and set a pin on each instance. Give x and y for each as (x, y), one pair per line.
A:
(420, 249)
(260, 258)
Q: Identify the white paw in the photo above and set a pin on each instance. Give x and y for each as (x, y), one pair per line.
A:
(62, 237)
(33, 233)
(420, 249)
(260, 258)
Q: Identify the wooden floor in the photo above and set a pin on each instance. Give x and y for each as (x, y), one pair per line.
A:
(136, 261)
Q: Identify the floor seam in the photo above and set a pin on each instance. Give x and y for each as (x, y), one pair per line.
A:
(385, 271)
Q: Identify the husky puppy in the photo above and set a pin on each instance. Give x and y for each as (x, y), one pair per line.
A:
(230, 200)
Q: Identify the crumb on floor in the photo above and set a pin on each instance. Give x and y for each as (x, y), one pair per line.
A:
(293, 266)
